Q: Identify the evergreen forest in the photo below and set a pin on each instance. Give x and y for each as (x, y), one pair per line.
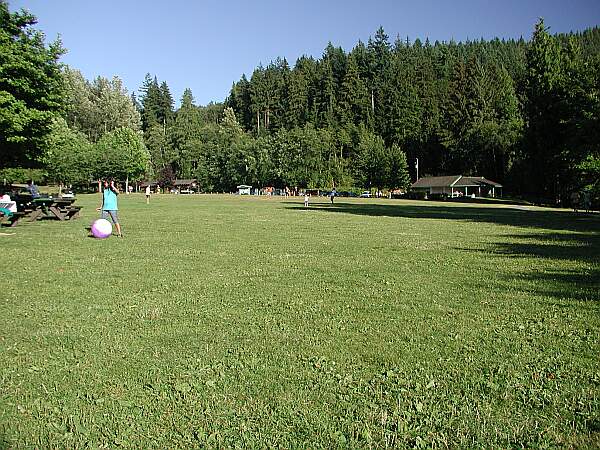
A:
(522, 113)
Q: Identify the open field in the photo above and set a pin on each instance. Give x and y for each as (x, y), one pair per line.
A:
(224, 321)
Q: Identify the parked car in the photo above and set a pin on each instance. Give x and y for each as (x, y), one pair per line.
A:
(365, 194)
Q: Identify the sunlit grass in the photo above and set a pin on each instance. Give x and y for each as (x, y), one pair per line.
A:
(224, 321)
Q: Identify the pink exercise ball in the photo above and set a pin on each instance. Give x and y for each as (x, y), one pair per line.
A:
(101, 229)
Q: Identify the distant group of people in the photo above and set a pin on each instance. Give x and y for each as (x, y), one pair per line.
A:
(109, 205)
(331, 196)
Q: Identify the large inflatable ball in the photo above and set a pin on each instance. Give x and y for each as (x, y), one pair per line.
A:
(101, 229)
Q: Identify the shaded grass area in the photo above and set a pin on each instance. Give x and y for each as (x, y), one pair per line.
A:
(227, 321)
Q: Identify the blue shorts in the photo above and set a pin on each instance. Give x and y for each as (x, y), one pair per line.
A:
(113, 216)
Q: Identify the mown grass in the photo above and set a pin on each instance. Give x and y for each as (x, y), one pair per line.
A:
(221, 321)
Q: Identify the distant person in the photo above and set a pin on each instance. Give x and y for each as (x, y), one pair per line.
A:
(109, 202)
(575, 200)
(12, 206)
(33, 189)
(306, 199)
(148, 192)
(587, 203)
(332, 195)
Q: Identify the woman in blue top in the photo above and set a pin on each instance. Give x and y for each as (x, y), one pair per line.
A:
(109, 202)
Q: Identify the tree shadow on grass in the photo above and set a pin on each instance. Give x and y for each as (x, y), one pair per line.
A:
(515, 216)
(570, 236)
(581, 285)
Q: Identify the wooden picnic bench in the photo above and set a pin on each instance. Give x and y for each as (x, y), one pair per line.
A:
(34, 209)
(63, 209)
(10, 218)
(55, 208)
(26, 207)
(8, 213)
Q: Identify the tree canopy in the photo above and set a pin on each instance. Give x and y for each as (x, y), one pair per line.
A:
(525, 114)
(31, 88)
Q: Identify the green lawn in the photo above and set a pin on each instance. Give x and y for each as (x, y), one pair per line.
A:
(223, 321)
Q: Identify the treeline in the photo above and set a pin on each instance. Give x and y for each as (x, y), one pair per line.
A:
(522, 113)
(210, 144)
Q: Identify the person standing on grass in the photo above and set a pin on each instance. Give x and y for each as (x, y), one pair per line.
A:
(148, 192)
(332, 195)
(587, 203)
(109, 202)
(306, 198)
(575, 200)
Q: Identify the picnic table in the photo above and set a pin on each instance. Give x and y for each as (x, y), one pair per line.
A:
(54, 208)
(33, 209)
(9, 214)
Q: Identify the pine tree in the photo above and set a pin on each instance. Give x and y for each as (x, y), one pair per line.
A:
(297, 99)
(379, 50)
(354, 104)
(150, 100)
(185, 136)
(166, 112)
(545, 74)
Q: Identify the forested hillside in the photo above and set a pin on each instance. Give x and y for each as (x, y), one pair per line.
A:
(523, 113)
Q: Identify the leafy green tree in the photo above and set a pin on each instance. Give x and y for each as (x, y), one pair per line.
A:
(31, 88)
(497, 126)
(100, 106)
(372, 160)
(121, 154)
(225, 154)
(68, 155)
(457, 118)
(211, 113)
(397, 169)
(184, 136)
(81, 113)
(114, 106)
(482, 122)
(159, 148)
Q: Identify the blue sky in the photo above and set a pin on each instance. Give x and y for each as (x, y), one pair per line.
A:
(206, 45)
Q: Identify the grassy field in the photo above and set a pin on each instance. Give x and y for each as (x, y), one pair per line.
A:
(220, 321)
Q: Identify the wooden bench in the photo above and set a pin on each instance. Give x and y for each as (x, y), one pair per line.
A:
(10, 218)
(65, 212)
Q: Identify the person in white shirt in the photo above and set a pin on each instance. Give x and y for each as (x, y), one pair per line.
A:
(7, 203)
